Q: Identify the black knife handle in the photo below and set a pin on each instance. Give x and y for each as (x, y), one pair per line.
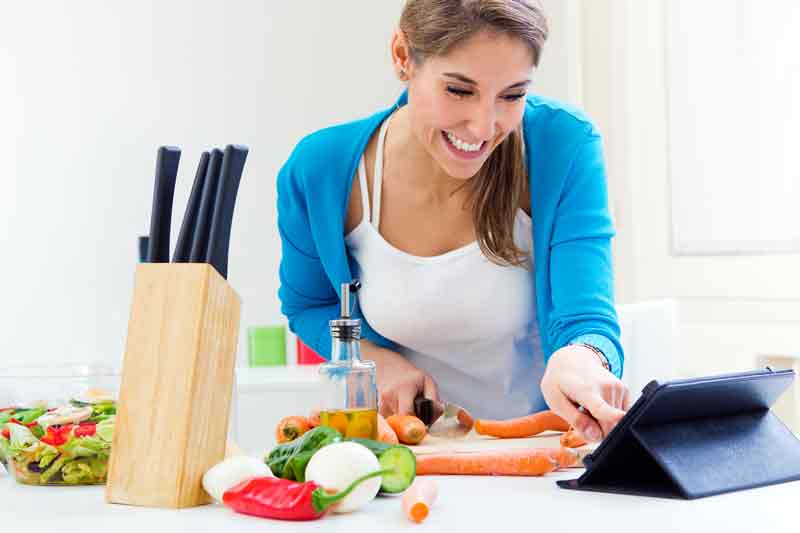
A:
(220, 235)
(144, 241)
(423, 409)
(183, 248)
(207, 200)
(161, 216)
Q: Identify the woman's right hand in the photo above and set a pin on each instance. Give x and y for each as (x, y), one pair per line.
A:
(399, 381)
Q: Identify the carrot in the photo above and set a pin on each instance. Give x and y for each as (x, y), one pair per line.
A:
(565, 457)
(419, 498)
(291, 427)
(409, 429)
(571, 439)
(385, 431)
(530, 462)
(526, 426)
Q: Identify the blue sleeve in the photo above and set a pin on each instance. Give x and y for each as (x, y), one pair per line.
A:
(308, 296)
(582, 284)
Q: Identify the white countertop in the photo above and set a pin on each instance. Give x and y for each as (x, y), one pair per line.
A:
(479, 504)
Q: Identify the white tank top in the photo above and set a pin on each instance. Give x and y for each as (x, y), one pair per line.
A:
(469, 323)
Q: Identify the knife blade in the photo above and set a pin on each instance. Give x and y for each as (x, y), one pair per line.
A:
(444, 419)
(166, 172)
(222, 219)
(207, 200)
(183, 248)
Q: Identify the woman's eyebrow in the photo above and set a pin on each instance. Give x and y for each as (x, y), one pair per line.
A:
(462, 78)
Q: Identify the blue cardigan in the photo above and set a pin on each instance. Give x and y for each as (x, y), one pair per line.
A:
(572, 229)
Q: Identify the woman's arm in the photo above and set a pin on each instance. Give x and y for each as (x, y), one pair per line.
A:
(583, 302)
(581, 270)
(307, 293)
(307, 297)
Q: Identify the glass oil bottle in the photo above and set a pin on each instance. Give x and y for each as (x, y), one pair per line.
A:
(350, 393)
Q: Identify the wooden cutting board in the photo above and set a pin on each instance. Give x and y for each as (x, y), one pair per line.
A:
(480, 443)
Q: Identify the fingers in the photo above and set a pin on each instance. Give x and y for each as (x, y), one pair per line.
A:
(405, 401)
(627, 400)
(578, 419)
(388, 405)
(606, 415)
(429, 389)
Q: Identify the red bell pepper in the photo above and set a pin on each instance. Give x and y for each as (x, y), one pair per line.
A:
(271, 497)
(85, 429)
(57, 436)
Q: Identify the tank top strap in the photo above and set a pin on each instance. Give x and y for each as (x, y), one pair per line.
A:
(362, 180)
(377, 175)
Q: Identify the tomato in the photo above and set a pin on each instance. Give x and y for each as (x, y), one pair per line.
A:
(57, 436)
(85, 430)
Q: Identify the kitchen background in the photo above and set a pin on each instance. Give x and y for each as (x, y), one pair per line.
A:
(693, 99)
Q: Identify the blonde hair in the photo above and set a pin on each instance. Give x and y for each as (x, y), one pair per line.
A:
(434, 28)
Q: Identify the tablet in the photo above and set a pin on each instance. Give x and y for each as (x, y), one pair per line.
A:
(697, 437)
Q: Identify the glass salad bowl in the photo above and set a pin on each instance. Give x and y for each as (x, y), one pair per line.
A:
(57, 423)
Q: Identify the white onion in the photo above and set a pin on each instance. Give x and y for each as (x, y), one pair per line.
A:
(337, 465)
(232, 471)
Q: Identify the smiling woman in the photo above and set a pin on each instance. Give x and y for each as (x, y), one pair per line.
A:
(475, 216)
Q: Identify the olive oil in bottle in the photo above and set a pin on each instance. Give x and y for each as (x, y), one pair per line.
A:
(362, 423)
(350, 395)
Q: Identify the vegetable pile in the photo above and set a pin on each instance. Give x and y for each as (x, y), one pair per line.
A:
(65, 445)
(318, 472)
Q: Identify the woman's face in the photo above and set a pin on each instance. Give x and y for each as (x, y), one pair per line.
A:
(464, 104)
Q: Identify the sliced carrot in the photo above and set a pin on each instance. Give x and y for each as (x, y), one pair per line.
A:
(526, 426)
(530, 462)
(385, 431)
(290, 428)
(409, 429)
(419, 498)
(571, 439)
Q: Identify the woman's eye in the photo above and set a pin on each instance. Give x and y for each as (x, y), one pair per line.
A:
(514, 97)
(458, 92)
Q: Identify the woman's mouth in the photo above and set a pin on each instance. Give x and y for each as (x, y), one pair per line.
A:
(461, 149)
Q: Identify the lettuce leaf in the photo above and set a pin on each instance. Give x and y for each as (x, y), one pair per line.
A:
(21, 439)
(86, 447)
(53, 469)
(77, 472)
(46, 455)
(105, 429)
(102, 411)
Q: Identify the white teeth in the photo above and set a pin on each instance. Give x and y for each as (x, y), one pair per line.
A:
(463, 146)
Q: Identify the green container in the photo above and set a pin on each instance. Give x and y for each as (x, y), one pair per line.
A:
(266, 345)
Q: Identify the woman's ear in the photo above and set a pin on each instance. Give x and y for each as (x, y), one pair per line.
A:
(401, 55)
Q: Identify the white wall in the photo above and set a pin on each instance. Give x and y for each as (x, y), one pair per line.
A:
(91, 88)
(732, 307)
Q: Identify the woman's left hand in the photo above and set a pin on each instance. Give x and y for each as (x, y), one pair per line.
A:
(576, 378)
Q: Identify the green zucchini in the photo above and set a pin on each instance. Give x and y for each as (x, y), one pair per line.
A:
(396, 457)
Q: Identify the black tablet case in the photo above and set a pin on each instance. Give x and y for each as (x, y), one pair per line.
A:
(697, 437)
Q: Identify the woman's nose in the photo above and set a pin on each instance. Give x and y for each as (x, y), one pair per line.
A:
(482, 124)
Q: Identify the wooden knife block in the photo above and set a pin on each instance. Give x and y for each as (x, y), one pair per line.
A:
(177, 380)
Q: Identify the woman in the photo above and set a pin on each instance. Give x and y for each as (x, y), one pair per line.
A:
(476, 218)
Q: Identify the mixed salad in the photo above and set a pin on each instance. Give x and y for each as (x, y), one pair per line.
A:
(65, 445)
